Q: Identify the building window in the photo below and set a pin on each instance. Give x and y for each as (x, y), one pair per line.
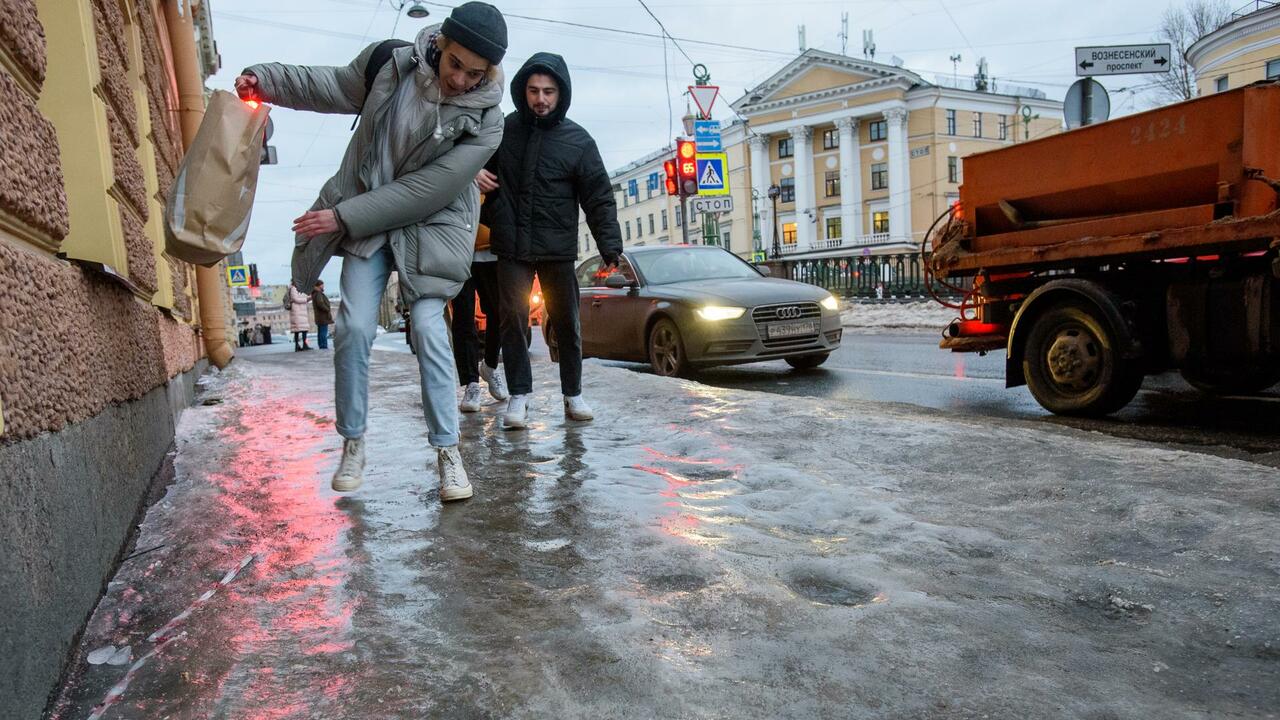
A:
(830, 139)
(789, 233)
(784, 148)
(880, 222)
(679, 216)
(880, 176)
(1220, 85)
(833, 228)
(651, 230)
(586, 243)
(664, 220)
(725, 237)
(951, 122)
(1273, 69)
(639, 228)
(977, 124)
(627, 225)
(788, 186)
(1004, 127)
(878, 130)
(953, 169)
(833, 183)
(626, 199)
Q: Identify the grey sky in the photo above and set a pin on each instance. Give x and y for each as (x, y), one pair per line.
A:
(620, 91)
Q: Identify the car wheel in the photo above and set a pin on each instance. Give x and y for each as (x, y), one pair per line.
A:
(549, 336)
(807, 362)
(666, 350)
(1073, 366)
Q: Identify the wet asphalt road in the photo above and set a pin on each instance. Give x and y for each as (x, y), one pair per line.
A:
(695, 552)
(909, 368)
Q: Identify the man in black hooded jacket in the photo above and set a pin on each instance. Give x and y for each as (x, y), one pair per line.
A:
(545, 169)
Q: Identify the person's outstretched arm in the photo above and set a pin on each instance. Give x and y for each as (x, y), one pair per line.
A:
(318, 88)
(595, 194)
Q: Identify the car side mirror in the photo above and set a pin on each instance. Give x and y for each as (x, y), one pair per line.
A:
(764, 270)
(616, 281)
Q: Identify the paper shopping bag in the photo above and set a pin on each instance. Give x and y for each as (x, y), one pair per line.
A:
(208, 208)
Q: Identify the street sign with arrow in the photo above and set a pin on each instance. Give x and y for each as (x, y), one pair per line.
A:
(1122, 59)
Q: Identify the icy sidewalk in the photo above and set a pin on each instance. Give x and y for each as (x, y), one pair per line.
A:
(695, 552)
(916, 316)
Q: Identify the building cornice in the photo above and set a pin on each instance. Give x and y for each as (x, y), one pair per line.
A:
(1234, 31)
(819, 97)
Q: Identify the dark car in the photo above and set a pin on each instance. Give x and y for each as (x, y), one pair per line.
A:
(684, 307)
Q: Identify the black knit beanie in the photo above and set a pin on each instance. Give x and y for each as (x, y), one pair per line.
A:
(479, 27)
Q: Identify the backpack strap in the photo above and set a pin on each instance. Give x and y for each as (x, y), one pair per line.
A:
(381, 56)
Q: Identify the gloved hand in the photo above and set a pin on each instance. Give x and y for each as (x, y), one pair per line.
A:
(610, 259)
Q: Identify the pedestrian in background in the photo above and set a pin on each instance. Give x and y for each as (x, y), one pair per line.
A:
(324, 315)
(402, 199)
(466, 341)
(299, 318)
(546, 168)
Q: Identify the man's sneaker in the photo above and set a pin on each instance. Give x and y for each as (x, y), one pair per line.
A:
(497, 381)
(454, 484)
(470, 399)
(350, 472)
(517, 415)
(575, 408)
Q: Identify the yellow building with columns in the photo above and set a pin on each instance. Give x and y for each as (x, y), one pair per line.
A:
(866, 155)
(1244, 51)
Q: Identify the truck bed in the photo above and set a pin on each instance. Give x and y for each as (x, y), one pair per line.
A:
(1196, 178)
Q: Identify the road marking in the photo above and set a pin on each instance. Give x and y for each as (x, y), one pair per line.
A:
(915, 376)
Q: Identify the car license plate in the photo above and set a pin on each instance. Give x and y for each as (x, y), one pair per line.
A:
(773, 331)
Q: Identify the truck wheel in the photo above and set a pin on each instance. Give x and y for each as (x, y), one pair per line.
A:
(1234, 381)
(1073, 367)
(807, 362)
(666, 350)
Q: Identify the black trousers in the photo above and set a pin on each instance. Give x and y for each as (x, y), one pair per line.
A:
(560, 297)
(466, 342)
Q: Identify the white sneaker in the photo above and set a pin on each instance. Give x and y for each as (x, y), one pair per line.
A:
(497, 381)
(517, 415)
(575, 408)
(350, 474)
(470, 399)
(454, 484)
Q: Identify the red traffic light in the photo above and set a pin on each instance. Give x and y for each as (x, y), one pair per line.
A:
(669, 168)
(687, 167)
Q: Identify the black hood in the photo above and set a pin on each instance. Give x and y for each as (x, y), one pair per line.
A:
(545, 64)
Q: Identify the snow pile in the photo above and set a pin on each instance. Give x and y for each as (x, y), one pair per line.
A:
(927, 315)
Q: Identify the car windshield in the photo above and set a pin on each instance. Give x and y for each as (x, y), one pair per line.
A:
(686, 264)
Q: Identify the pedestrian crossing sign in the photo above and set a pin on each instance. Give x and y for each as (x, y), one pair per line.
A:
(238, 275)
(712, 178)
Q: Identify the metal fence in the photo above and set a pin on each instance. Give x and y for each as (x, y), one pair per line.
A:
(898, 276)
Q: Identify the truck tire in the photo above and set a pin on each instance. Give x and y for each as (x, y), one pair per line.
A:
(1234, 381)
(1073, 365)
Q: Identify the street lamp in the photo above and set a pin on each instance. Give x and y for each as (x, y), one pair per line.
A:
(774, 192)
(416, 11)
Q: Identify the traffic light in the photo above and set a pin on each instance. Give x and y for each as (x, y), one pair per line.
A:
(669, 167)
(687, 167)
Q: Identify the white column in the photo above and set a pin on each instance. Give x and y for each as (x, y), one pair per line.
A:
(899, 176)
(801, 141)
(850, 181)
(761, 179)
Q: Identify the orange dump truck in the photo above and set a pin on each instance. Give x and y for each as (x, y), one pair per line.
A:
(1136, 246)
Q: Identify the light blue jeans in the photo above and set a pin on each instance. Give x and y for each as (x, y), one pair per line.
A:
(363, 284)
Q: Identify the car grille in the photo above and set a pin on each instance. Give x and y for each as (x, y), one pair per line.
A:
(766, 314)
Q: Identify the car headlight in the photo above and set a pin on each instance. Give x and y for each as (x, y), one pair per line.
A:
(717, 312)
(831, 303)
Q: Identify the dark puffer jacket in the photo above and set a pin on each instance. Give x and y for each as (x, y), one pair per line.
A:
(547, 168)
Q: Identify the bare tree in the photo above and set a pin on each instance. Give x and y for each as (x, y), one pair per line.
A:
(1181, 28)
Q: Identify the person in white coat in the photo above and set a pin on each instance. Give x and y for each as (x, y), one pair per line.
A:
(299, 318)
